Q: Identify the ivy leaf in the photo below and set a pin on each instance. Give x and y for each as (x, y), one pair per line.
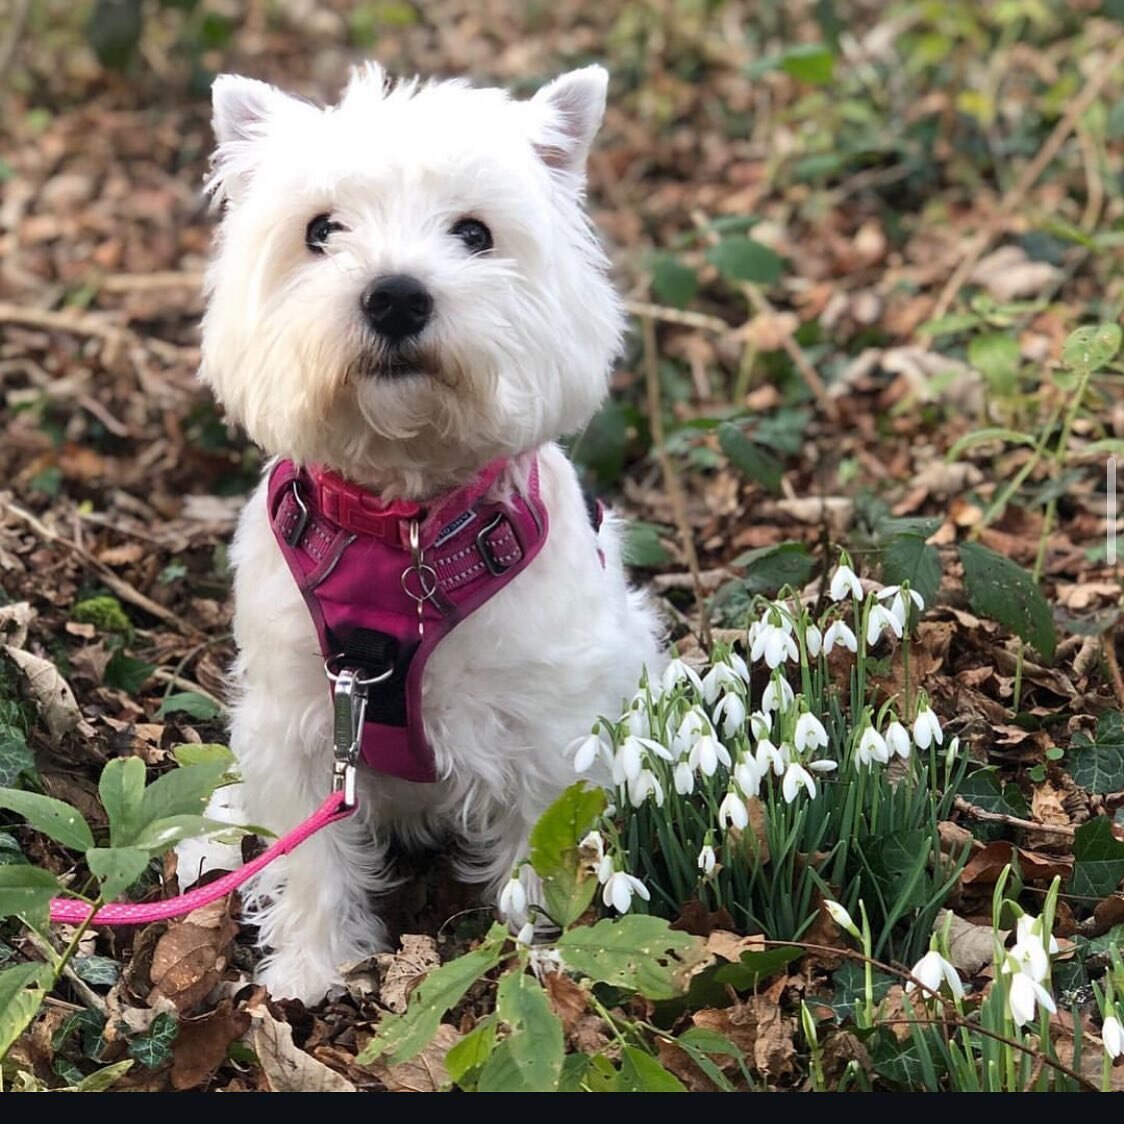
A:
(639, 952)
(743, 259)
(98, 971)
(1098, 766)
(1098, 860)
(16, 759)
(529, 1060)
(10, 850)
(62, 822)
(984, 789)
(567, 887)
(153, 1048)
(116, 868)
(127, 673)
(191, 703)
(1005, 592)
(746, 454)
(26, 890)
(850, 989)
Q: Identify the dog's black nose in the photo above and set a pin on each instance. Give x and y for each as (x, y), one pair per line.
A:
(397, 306)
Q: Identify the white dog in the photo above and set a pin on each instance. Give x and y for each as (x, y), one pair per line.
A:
(406, 307)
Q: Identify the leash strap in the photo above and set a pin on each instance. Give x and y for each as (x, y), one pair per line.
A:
(334, 809)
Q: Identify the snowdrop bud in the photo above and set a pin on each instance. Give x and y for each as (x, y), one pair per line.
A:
(526, 935)
(897, 738)
(1112, 1035)
(842, 918)
(732, 812)
(813, 639)
(927, 729)
(760, 725)
(810, 733)
(845, 583)
(707, 861)
(684, 777)
(839, 633)
(951, 752)
(513, 899)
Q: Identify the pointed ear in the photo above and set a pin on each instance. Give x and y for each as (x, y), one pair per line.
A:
(569, 112)
(242, 106)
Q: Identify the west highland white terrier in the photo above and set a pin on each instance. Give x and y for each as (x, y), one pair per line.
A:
(406, 307)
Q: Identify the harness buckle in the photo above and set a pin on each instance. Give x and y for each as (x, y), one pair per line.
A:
(296, 532)
(349, 712)
(484, 545)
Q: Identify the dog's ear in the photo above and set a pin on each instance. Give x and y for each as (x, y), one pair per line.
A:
(569, 112)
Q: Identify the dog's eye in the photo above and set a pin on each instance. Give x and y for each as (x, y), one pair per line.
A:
(474, 234)
(318, 231)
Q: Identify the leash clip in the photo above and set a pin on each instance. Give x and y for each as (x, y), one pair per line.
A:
(349, 712)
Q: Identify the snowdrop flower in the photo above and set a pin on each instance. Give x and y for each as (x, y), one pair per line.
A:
(777, 695)
(684, 779)
(760, 724)
(1023, 994)
(620, 889)
(705, 755)
(643, 786)
(897, 739)
(604, 869)
(513, 899)
(747, 776)
(637, 720)
(732, 811)
(1112, 1035)
(774, 643)
(926, 728)
(586, 750)
(526, 935)
(931, 969)
(796, 777)
(1030, 950)
(739, 665)
(676, 671)
(845, 583)
(721, 677)
(707, 861)
(823, 766)
(839, 633)
(842, 918)
(810, 734)
(898, 605)
(769, 757)
(692, 727)
(951, 752)
(881, 618)
(872, 747)
(813, 640)
(730, 711)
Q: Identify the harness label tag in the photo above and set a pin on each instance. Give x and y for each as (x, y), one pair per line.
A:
(448, 531)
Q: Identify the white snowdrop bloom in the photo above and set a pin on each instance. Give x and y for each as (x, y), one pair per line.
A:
(927, 729)
(795, 778)
(839, 633)
(620, 888)
(810, 733)
(1024, 992)
(813, 640)
(1030, 949)
(526, 935)
(1112, 1035)
(732, 811)
(730, 711)
(769, 757)
(513, 899)
(707, 860)
(777, 695)
(631, 756)
(897, 738)
(645, 784)
(721, 677)
(637, 721)
(951, 752)
(931, 969)
(845, 583)
(605, 869)
(594, 844)
(872, 747)
(774, 643)
(706, 754)
(676, 672)
(694, 725)
(896, 591)
(822, 766)
(842, 918)
(760, 725)
(881, 618)
(586, 751)
(739, 665)
(684, 779)
(747, 776)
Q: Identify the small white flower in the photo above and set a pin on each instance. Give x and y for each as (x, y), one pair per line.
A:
(637, 720)
(872, 747)
(823, 766)
(931, 969)
(732, 811)
(760, 724)
(721, 677)
(605, 869)
(777, 695)
(842, 918)
(845, 583)
(897, 738)
(839, 633)
(739, 665)
(795, 778)
(705, 755)
(693, 726)
(707, 860)
(730, 711)
(684, 778)
(620, 888)
(769, 757)
(644, 785)
(676, 671)
(1112, 1035)
(813, 640)
(881, 618)
(1030, 949)
(927, 729)
(747, 777)
(952, 751)
(810, 733)
(586, 751)
(774, 643)
(513, 899)
(526, 935)
(895, 591)
(1024, 992)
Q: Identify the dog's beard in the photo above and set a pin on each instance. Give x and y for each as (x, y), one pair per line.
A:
(408, 360)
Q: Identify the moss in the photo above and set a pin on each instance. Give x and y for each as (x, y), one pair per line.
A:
(105, 614)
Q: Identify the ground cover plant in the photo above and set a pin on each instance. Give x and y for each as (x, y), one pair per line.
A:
(867, 831)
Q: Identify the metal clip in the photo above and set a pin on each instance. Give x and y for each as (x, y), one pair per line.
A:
(349, 705)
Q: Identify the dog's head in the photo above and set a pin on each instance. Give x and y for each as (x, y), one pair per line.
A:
(405, 285)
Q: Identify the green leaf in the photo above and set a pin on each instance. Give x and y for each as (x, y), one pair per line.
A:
(529, 1060)
(1098, 860)
(472, 1051)
(641, 1073)
(104, 1078)
(121, 789)
(673, 282)
(643, 546)
(744, 453)
(996, 356)
(984, 789)
(909, 558)
(26, 890)
(602, 445)
(950, 325)
(153, 1048)
(1098, 766)
(179, 792)
(22, 991)
(190, 753)
(127, 673)
(161, 835)
(116, 868)
(813, 63)
(1005, 592)
(191, 703)
(400, 1037)
(114, 30)
(16, 759)
(640, 953)
(983, 436)
(98, 971)
(769, 567)
(753, 967)
(743, 259)
(567, 887)
(849, 983)
(1091, 347)
(10, 850)
(62, 822)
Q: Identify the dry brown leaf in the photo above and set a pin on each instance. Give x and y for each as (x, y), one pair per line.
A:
(985, 866)
(730, 946)
(1008, 274)
(676, 1060)
(423, 1073)
(201, 1045)
(190, 958)
(51, 692)
(401, 971)
(970, 947)
(286, 1068)
(124, 555)
(14, 620)
(836, 511)
(774, 1052)
(567, 998)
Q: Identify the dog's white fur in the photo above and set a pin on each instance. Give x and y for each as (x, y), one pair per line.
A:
(518, 353)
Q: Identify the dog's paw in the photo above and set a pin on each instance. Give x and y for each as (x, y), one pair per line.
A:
(297, 976)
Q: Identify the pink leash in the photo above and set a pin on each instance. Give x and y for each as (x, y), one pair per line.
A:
(74, 913)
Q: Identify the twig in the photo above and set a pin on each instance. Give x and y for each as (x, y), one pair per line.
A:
(184, 684)
(974, 813)
(167, 279)
(670, 476)
(708, 578)
(644, 310)
(18, 19)
(1030, 174)
(81, 988)
(49, 321)
(1108, 646)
